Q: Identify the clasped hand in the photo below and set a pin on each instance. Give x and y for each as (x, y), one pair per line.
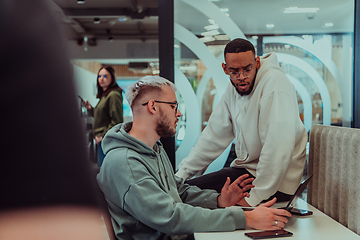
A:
(234, 192)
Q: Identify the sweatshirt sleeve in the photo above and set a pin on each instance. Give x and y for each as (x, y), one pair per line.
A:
(195, 196)
(165, 215)
(133, 189)
(277, 130)
(215, 138)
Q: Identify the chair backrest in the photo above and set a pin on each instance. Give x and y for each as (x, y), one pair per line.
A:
(334, 161)
(106, 214)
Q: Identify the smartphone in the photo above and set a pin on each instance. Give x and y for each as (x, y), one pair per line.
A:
(268, 234)
(82, 100)
(301, 212)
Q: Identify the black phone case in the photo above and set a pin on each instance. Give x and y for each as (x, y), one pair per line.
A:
(301, 212)
(268, 234)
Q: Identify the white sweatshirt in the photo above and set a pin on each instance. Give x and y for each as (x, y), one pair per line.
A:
(270, 137)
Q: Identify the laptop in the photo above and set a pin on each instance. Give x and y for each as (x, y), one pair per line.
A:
(290, 206)
(297, 194)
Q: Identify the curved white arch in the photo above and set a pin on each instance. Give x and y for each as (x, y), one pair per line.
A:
(202, 86)
(316, 78)
(328, 62)
(305, 97)
(203, 53)
(212, 11)
(231, 30)
(193, 115)
(200, 90)
(218, 76)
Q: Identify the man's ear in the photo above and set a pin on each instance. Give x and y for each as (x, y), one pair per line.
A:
(258, 64)
(151, 107)
(224, 68)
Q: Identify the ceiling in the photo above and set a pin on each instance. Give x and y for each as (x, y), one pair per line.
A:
(120, 19)
(252, 16)
(137, 19)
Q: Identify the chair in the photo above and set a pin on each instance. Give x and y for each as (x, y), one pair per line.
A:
(334, 161)
(104, 206)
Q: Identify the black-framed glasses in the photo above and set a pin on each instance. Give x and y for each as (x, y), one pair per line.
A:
(171, 103)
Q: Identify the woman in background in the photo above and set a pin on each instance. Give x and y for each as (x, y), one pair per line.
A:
(109, 110)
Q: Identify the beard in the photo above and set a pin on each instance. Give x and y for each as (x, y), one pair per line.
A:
(244, 93)
(163, 128)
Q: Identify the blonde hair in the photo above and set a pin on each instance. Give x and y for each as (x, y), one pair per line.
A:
(145, 85)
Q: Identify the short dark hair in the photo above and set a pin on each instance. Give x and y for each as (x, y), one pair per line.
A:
(239, 45)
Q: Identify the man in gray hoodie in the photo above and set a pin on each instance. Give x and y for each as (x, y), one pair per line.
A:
(146, 200)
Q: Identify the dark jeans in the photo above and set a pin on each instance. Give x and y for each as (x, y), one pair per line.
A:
(217, 179)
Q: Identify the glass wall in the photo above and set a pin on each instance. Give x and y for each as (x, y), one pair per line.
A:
(313, 41)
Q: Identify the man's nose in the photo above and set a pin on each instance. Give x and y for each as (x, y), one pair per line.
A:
(242, 76)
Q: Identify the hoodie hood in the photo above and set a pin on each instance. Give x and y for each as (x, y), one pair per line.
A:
(267, 62)
(117, 142)
(118, 137)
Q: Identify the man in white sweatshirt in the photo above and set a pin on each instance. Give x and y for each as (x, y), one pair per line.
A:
(260, 110)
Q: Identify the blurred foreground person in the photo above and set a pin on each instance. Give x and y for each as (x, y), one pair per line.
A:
(47, 191)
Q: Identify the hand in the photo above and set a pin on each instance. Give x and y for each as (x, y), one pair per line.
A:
(87, 105)
(265, 218)
(98, 139)
(233, 193)
(243, 203)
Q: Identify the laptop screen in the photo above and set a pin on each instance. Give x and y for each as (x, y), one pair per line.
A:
(297, 194)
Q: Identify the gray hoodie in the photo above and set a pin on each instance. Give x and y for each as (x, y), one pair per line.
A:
(147, 201)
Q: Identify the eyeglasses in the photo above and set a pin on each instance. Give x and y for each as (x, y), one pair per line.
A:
(236, 75)
(171, 103)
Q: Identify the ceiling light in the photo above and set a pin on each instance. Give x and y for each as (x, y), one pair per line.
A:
(210, 33)
(188, 68)
(207, 39)
(211, 21)
(80, 1)
(228, 15)
(176, 46)
(329, 24)
(224, 9)
(211, 27)
(255, 37)
(222, 37)
(96, 20)
(287, 46)
(85, 43)
(300, 10)
(270, 25)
